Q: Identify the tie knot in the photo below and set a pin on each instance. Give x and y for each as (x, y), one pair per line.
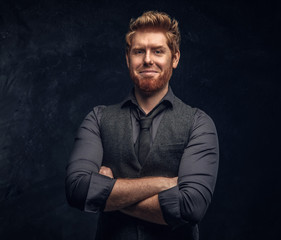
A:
(145, 123)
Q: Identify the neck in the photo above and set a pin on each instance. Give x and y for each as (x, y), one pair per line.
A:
(148, 101)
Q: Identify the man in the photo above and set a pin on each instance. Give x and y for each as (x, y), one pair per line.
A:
(146, 182)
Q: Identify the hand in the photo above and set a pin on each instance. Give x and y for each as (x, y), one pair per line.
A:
(106, 171)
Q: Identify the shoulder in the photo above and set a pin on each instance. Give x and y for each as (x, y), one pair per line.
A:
(201, 117)
(99, 111)
(107, 114)
(96, 113)
(200, 121)
(203, 123)
(184, 112)
(93, 118)
(198, 115)
(110, 110)
(179, 105)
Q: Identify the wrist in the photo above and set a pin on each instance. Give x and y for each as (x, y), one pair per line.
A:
(167, 183)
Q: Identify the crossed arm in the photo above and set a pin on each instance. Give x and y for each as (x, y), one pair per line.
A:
(172, 201)
(138, 197)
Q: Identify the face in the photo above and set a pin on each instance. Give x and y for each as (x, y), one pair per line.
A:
(150, 61)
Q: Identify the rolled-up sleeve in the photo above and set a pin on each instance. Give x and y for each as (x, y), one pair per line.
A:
(86, 189)
(189, 200)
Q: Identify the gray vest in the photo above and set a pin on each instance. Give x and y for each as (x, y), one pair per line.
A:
(163, 159)
(165, 154)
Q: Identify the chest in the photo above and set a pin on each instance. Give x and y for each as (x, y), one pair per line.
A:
(165, 153)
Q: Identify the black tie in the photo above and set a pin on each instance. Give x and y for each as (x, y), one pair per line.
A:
(144, 139)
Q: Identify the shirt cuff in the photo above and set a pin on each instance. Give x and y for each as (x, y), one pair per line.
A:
(99, 189)
(170, 207)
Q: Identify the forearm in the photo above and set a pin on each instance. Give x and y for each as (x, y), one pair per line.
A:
(76, 187)
(127, 192)
(148, 210)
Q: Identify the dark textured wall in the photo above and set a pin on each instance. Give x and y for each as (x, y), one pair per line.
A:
(58, 59)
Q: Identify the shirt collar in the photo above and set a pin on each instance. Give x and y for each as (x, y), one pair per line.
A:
(131, 99)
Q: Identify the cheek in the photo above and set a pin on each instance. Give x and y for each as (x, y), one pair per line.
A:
(135, 62)
(165, 63)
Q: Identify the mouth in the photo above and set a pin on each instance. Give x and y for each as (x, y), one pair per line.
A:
(148, 72)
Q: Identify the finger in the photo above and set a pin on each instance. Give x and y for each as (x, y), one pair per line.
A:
(103, 170)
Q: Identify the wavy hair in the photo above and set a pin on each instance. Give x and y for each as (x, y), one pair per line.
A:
(155, 19)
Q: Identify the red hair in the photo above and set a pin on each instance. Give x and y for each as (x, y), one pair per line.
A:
(154, 19)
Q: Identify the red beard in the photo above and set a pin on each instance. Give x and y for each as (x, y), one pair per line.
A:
(150, 85)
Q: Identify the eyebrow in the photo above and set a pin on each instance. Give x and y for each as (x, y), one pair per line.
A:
(153, 47)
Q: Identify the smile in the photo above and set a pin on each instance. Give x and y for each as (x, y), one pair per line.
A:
(148, 72)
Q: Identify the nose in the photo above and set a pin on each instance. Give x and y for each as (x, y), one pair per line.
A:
(148, 59)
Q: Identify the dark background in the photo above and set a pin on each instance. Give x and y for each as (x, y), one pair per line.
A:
(58, 59)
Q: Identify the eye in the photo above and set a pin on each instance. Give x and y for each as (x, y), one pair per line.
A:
(158, 52)
(138, 51)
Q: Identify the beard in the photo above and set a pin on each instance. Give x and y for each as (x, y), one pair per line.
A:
(150, 85)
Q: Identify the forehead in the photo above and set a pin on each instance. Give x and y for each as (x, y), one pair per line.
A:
(149, 37)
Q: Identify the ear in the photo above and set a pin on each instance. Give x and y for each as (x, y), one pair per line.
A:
(176, 59)
(127, 59)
